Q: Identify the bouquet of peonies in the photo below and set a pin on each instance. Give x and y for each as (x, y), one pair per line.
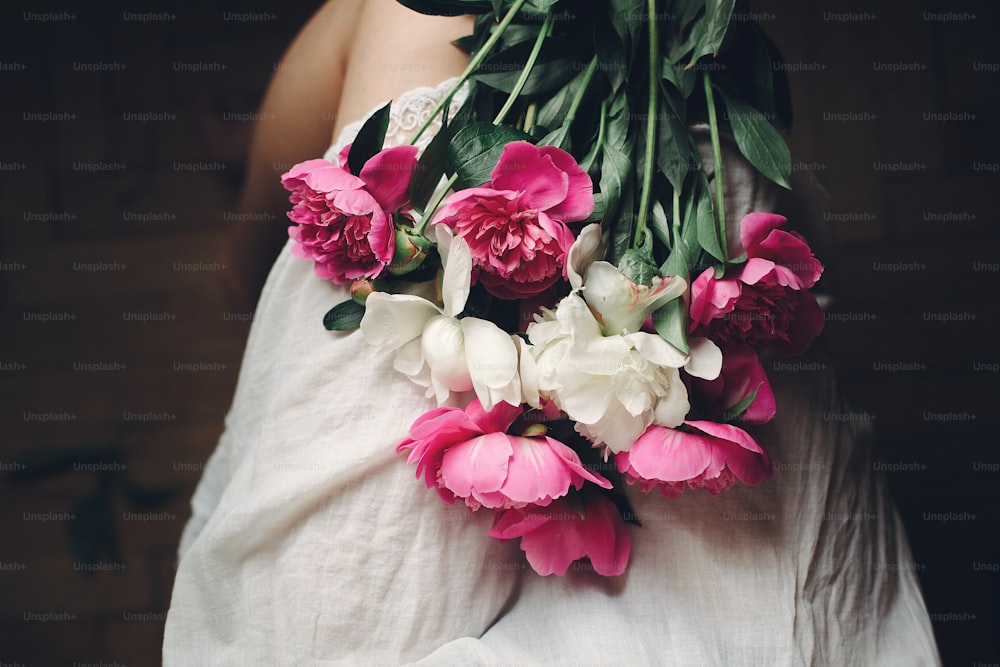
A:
(597, 322)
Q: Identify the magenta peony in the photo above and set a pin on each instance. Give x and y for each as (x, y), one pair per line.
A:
(516, 224)
(741, 375)
(468, 454)
(763, 300)
(344, 222)
(553, 537)
(710, 456)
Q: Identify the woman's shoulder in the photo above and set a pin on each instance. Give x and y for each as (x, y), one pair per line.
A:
(394, 50)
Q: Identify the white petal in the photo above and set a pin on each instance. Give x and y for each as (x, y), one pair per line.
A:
(587, 248)
(492, 362)
(457, 277)
(623, 305)
(672, 408)
(706, 359)
(392, 320)
(584, 397)
(528, 371)
(656, 350)
(443, 345)
(617, 429)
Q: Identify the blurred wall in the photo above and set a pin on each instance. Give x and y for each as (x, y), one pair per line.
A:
(123, 129)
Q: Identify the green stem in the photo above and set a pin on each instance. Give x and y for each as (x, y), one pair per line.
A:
(432, 206)
(543, 32)
(650, 155)
(529, 116)
(474, 64)
(677, 218)
(574, 106)
(720, 205)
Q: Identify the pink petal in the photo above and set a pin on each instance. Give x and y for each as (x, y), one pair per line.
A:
(743, 456)
(754, 227)
(353, 202)
(535, 474)
(497, 420)
(523, 168)
(579, 202)
(553, 546)
(302, 169)
(332, 179)
(605, 537)
(479, 464)
(668, 455)
(792, 251)
(387, 175)
(711, 298)
(755, 270)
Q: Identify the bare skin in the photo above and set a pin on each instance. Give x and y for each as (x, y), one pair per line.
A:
(352, 56)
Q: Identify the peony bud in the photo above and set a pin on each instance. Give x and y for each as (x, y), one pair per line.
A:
(411, 251)
(360, 289)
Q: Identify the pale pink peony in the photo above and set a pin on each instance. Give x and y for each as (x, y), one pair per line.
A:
(344, 222)
(741, 374)
(710, 456)
(553, 537)
(516, 224)
(763, 300)
(468, 454)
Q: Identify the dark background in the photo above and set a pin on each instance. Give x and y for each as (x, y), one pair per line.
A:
(118, 354)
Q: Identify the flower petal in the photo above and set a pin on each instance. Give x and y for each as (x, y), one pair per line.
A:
(706, 358)
(387, 175)
(523, 168)
(492, 362)
(476, 464)
(392, 320)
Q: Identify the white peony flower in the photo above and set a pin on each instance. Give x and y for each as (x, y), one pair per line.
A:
(436, 349)
(591, 359)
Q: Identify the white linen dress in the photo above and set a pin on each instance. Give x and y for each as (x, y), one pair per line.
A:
(312, 542)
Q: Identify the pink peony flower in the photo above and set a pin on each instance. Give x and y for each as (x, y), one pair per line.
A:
(711, 456)
(553, 537)
(741, 374)
(344, 222)
(516, 224)
(764, 299)
(468, 454)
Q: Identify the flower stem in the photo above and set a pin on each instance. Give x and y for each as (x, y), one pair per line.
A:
(720, 205)
(432, 206)
(474, 64)
(543, 32)
(677, 218)
(649, 165)
(578, 100)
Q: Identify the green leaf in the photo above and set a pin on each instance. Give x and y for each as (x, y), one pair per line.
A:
(757, 140)
(715, 25)
(635, 265)
(448, 7)
(552, 112)
(659, 223)
(476, 148)
(344, 316)
(682, 79)
(705, 219)
(552, 69)
(671, 323)
(741, 407)
(369, 140)
(673, 149)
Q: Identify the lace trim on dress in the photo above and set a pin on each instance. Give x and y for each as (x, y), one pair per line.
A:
(409, 110)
